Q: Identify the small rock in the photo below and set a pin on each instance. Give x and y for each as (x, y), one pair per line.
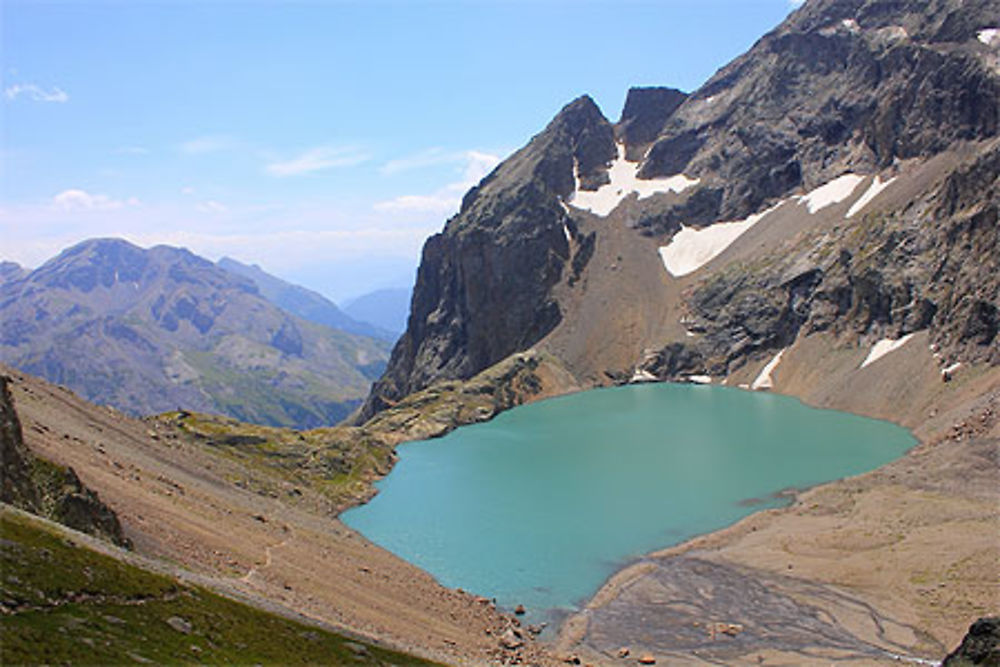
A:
(179, 624)
(647, 659)
(623, 652)
(731, 629)
(359, 650)
(519, 610)
(572, 659)
(510, 641)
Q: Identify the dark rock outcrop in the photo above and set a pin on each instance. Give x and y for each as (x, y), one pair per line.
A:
(484, 287)
(43, 488)
(16, 485)
(841, 85)
(980, 646)
(934, 265)
(645, 112)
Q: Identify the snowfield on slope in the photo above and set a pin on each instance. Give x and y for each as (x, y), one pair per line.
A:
(831, 193)
(884, 347)
(624, 181)
(763, 379)
(873, 191)
(691, 248)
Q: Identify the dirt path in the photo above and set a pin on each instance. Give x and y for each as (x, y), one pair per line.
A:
(268, 559)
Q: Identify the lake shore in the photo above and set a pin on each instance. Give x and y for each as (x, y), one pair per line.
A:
(895, 562)
(191, 515)
(927, 520)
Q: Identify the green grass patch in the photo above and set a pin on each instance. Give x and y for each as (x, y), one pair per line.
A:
(66, 604)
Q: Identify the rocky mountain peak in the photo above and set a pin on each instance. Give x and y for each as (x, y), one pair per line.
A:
(645, 112)
(11, 271)
(471, 308)
(842, 85)
(94, 263)
(578, 143)
(97, 266)
(151, 330)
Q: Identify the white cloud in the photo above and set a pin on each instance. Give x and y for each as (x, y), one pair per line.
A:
(315, 159)
(81, 200)
(437, 204)
(446, 200)
(433, 157)
(426, 158)
(187, 190)
(36, 93)
(207, 144)
(478, 165)
(212, 206)
(132, 150)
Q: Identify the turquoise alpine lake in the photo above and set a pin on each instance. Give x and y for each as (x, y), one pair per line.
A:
(540, 505)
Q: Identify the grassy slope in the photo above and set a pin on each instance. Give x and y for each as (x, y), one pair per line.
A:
(341, 462)
(63, 603)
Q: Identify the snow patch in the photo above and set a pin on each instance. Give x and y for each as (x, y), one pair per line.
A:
(624, 181)
(884, 347)
(833, 192)
(893, 33)
(873, 190)
(690, 249)
(988, 35)
(698, 379)
(642, 375)
(569, 237)
(951, 369)
(763, 380)
(851, 25)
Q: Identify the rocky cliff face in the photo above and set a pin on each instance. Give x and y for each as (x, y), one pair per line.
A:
(843, 86)
(43, 488)
(153, 330)
(932, 264)
(484, 287)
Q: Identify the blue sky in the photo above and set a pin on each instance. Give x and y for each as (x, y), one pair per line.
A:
(322, 140)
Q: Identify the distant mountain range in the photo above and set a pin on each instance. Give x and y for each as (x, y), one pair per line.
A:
(154, 330)
(385, 308)
(310, 305)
